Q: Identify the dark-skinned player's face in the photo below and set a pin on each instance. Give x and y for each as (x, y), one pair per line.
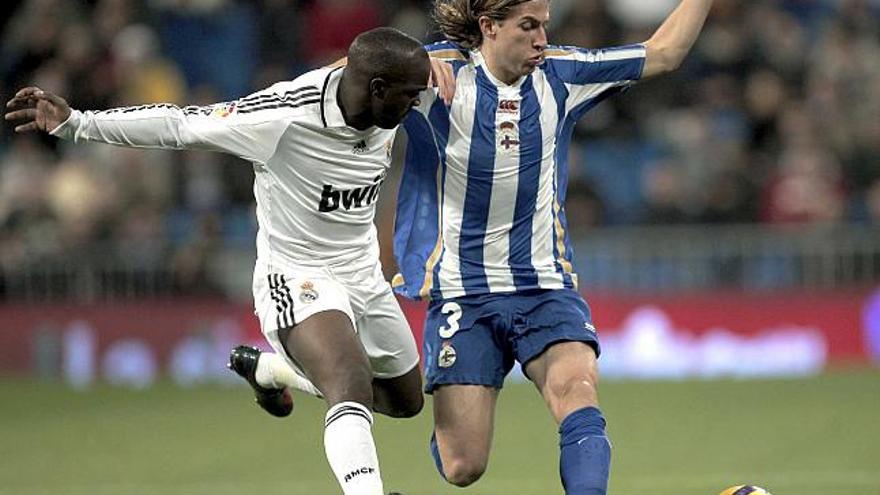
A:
(397, 96)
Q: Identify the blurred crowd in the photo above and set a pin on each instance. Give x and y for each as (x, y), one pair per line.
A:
(774, 118)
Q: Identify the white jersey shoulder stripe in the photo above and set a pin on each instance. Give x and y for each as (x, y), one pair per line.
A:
(304, 100)
(299, 97)
(590, 56)
(448, 54)
(262, 96)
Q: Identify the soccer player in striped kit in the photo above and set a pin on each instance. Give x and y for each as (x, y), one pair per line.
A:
(481, 228)
(320, 147)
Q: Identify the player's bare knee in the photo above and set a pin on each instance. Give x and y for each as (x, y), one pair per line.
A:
(565, 394)
(351, 384)
(571, 387)
(403, 409)
(462, 472)
(412, 407)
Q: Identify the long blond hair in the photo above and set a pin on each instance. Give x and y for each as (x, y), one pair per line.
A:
(458, 20)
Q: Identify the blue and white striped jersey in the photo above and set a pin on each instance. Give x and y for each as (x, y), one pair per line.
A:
(480, 208)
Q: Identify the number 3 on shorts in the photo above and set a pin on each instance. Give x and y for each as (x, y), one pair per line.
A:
(454, 311)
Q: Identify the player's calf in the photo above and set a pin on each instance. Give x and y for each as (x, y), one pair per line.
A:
(585, 453)
(350, 448)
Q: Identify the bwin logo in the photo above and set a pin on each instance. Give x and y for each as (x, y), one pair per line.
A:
(364, 470)
(350, 198)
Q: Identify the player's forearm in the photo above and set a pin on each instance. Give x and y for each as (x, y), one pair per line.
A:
(670, 44)
(148, 128)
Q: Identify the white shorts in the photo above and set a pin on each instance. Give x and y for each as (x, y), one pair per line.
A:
(284, 298)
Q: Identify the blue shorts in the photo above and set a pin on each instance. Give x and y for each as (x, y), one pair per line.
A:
(475, 339)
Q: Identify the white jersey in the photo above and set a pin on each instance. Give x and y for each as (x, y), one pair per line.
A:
(480, 209)
(317, 180)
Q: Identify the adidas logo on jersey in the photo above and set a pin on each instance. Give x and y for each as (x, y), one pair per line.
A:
(332, 199)
(360, 147)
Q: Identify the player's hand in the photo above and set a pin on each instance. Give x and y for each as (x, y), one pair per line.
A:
(39, 110)
(443, 79)
(339, 63)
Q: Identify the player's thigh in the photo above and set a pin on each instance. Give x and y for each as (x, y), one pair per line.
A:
(326, 347)
(555, 339)
(306, 315)
(464, 422)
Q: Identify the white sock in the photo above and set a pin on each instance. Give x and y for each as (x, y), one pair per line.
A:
(274, 372)
(351, 452)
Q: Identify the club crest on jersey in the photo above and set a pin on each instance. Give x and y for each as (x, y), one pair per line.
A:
(447, 356)
(308, 293)
(508, 106)
(224, 109)
(507, 137)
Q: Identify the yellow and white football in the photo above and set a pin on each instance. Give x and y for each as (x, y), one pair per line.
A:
(745, 490)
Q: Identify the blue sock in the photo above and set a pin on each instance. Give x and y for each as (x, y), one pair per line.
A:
(435, 453)
(585, 453)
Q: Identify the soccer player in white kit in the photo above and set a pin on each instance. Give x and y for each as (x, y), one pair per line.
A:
(320, 147)
(481, 228)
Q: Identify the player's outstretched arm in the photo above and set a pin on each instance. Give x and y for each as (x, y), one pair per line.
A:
(220, 127)
(674, 38)
(37, 110)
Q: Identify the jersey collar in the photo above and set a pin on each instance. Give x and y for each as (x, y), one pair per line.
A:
(479, 60)
(331, 114)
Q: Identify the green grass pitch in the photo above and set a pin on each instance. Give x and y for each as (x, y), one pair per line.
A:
(818, 436)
